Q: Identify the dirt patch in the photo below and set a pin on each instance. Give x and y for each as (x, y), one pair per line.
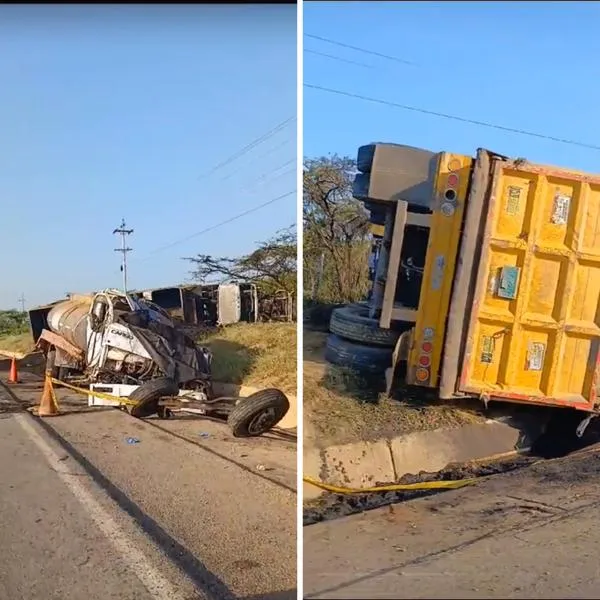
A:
(332, 506)
(255, 354)
(341, 408)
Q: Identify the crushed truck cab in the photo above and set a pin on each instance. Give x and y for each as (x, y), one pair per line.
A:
(506, 256)
(128, 347)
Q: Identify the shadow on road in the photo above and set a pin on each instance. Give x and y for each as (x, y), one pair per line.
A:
(204, 579)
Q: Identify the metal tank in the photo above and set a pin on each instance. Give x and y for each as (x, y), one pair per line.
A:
(69, 319)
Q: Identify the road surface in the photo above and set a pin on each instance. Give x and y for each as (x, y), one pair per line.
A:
(524, 534)
(199, 514)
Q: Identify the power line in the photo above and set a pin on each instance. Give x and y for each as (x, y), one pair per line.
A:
(124, 249)
(216, 226)
(364, 50)
(339, 58)
(250, 146)
(261, 156)
(453, 117)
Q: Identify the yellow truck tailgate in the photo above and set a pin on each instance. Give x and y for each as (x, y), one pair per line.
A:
(533, 331)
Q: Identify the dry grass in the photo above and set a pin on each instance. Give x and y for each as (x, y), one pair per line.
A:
(258, 354)
(338, 409)
(21, 342)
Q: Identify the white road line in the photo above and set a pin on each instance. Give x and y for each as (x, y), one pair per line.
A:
(157, 585)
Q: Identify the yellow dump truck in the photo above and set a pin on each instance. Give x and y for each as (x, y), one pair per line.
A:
(488, 278)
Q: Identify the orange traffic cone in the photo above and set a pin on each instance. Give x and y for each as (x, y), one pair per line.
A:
(13, 376)
(48, 405)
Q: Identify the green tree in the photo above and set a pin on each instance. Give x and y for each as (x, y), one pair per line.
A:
(272, 266)
(336, 232)
(13, 322)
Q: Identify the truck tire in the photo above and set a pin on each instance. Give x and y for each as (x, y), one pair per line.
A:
(353, 323)
(373, 360)
(149, 393)
(377, 213)
(258, 413)
(364, 158)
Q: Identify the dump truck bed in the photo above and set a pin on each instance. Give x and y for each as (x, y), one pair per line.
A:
(523, 320)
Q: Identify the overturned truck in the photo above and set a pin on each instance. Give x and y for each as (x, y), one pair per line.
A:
(128, 347)
(487, 282)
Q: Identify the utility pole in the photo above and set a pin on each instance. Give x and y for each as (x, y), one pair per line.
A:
(124, 249)
(22, 302)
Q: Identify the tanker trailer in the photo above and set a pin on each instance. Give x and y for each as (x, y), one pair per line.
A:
(128, 347)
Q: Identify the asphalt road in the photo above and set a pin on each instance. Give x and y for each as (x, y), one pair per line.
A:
(524, 534)
(214, 516)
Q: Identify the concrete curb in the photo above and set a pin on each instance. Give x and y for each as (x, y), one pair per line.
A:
(364, 464)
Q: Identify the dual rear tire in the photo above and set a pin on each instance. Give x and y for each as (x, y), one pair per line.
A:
(357, 342)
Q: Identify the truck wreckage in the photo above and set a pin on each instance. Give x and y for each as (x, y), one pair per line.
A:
(131, 348)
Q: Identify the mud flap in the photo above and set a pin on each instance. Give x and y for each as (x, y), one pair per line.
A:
(401, 351)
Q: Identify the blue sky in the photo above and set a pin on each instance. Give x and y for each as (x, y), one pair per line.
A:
(524, 65)
(122, 111)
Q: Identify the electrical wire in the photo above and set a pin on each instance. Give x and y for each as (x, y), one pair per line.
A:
(217, 225)
(339, 58)
(364, 50)
(250, 146)
(259, 157)
(453, 117)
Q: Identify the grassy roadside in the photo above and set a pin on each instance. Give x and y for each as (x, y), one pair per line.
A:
(256, 354)
(337, 410)
(20, 342)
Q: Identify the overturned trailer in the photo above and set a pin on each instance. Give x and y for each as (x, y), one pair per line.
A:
(207, 304)
(487, 284)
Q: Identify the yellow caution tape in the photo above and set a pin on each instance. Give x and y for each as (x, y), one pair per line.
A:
(87, 392)
(396, 487)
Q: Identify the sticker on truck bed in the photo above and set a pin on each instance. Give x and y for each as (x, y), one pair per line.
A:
(535, 356)
(513, 200)
(487, 349)
(560, 212)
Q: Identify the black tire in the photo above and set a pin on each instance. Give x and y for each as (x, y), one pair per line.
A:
(364, 158)
(149, 393)
(353, 323)
(360, 186)
(357, 357)
(376, 213)
(258, 413)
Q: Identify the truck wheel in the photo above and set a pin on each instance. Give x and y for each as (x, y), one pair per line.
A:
(357, 357)
(258, 413)
(147, 395)
(353, 323)
(364, 158)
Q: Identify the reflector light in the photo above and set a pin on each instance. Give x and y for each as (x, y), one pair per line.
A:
(454, 164)
(422, 374)
(452, 180)
(424, 361)
(427, 347)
